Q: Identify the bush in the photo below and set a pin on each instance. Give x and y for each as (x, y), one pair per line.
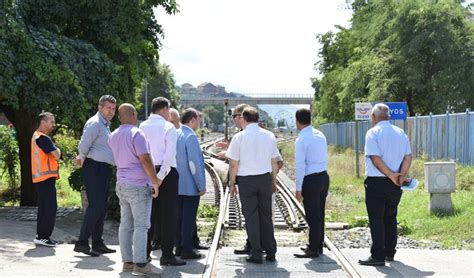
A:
(76, 180)
(68, 146)
(9, 158)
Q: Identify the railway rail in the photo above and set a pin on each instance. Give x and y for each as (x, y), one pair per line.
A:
(289, 214)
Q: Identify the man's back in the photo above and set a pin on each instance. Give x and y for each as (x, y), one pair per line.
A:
(254, 148)
(390, 143)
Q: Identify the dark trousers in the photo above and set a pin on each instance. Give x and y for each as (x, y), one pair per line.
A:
(47, 207)
(256, 198)
(381, 198)
(314, 191)
(97, 177)
(163, 214)
(187, 212)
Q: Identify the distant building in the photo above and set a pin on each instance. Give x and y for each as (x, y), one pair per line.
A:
(207, 88)
(187, 88)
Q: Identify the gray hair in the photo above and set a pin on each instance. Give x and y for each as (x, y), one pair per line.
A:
(107, 98)
(381, 111)
(174, 111)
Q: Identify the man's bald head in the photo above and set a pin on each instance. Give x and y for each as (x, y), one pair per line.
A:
(174, 117)
(127, 114)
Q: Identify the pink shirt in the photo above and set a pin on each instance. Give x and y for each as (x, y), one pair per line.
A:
(128, 142)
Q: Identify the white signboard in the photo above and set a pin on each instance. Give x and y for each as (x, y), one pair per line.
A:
(362, 111)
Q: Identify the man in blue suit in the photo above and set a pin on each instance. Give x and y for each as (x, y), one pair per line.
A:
(192, 182)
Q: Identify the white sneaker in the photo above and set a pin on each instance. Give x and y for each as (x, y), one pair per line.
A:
(45, 242)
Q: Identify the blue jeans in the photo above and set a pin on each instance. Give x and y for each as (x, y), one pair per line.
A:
(135, 212)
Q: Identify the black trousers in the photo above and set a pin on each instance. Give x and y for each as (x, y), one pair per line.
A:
(163, 214)
(47, 208)
(187, 212)
(382, 197)
(315, 190)
(97, 177)
(256, 198)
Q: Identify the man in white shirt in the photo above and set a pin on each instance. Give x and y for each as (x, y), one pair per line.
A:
(162, 137)
(387, 161)
(312, 180)
(253, 166)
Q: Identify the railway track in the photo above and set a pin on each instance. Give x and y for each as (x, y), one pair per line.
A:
(289, 214)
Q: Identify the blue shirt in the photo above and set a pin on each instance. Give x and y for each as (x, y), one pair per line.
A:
(189, 163)
(311, 154)
(390, 143)
(94, 140)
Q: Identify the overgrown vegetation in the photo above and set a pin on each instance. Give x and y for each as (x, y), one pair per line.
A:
(346, 201)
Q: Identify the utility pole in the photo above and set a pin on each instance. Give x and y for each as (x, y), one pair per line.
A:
(146, 99)
(226, 131)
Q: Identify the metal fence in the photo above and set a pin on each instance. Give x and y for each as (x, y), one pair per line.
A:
(440, 137)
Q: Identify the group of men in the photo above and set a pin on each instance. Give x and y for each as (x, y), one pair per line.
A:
(160, 178)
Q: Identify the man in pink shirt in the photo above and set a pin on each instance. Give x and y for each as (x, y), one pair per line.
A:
(137, 183)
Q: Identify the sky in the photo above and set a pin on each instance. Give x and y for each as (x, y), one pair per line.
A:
(248, 46)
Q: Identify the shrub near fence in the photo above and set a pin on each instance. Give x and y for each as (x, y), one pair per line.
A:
(440, 137)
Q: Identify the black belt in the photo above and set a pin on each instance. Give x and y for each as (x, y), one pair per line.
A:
(378, 178)
(316, 174)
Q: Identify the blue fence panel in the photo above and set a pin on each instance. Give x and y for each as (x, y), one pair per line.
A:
(440, 137)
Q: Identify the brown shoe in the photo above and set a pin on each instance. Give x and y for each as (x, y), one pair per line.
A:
(147, 270)
(127, 267)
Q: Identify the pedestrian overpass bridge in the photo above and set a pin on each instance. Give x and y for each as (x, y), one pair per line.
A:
(253, 100)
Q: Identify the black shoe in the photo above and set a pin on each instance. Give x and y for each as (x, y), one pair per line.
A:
(190, 256)
(254, 260)
(308, 254)
(173, 261)
(243, 251)
(371, 261)
(389, 258)
(270, 258)
(102, 249)
(86, 250)
(201, 247)
(155, 246)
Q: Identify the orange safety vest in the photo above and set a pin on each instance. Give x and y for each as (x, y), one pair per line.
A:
(43, 165)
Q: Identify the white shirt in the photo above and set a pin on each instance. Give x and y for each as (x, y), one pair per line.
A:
(162, 137)
(390, 143)
(254, 148)
(311, 154)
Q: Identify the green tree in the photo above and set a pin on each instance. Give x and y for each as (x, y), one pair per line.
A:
(160, 84)
(60, 56)
(418, 51)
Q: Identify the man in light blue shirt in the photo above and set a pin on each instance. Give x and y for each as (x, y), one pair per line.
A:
(312, 180)
(192, 182)
(387, 161)
(96, 159)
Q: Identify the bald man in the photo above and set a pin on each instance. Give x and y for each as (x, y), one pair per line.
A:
(137, 183)
(174, 118)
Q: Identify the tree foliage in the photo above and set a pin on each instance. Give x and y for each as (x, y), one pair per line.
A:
(418, 51)
(60, 56)
(160, 84)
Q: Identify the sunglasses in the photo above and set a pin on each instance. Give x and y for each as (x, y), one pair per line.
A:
(236, 115)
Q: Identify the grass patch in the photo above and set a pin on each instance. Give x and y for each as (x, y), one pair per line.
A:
(65, 195)
(346, 200)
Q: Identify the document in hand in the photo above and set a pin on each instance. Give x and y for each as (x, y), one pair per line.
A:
(412, 185)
